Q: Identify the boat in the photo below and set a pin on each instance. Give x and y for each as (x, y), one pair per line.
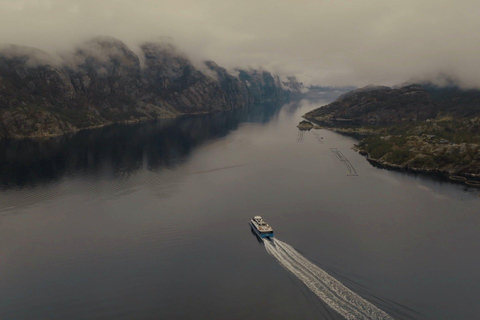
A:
(261, 228)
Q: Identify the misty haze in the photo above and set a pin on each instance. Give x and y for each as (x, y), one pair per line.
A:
(239, 160)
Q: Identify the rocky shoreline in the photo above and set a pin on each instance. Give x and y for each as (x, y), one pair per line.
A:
(452, 171)
(461, 178)
(43, 136)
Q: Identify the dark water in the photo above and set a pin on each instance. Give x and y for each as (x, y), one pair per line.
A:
(149, 221)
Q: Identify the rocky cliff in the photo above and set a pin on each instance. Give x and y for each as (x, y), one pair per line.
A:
(104, 81)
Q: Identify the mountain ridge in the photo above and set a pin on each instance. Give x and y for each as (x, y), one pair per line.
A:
(103, 81)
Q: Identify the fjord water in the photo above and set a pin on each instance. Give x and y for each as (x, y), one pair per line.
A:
(150, 221)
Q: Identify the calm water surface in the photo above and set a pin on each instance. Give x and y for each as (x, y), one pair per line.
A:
(150, 221)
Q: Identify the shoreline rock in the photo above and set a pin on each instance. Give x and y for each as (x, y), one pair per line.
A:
(447, 175)
(305, 125)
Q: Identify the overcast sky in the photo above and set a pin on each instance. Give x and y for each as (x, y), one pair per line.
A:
(327, 42)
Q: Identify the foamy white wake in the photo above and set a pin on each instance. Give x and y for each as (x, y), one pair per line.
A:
(330, 290)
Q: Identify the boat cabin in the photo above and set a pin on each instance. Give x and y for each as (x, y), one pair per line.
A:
(259, 221)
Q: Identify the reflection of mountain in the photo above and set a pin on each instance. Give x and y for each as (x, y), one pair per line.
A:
(123, 149)
(103, 81)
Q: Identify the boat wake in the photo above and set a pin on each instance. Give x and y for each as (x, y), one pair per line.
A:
(341, 299)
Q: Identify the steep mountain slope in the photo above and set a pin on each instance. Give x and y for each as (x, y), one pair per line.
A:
(103, 81)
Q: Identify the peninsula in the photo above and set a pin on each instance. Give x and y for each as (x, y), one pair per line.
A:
(418, 127)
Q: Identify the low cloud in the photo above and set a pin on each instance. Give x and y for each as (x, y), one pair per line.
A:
(325, 42)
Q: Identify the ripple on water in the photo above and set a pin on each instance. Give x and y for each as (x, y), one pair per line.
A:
(162, 182)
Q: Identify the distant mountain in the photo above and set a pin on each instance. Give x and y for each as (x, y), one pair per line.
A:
(380, 105)
(326, 93)
(103, 81)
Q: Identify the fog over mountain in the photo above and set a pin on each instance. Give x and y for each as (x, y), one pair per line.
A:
(337, 42)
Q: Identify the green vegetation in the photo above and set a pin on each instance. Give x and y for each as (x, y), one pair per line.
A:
(446, 128)
(442, 144)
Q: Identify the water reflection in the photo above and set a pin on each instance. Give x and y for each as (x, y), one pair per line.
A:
(141, 222)
(119, 150)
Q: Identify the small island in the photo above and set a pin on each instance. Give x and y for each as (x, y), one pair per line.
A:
(305, 125)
